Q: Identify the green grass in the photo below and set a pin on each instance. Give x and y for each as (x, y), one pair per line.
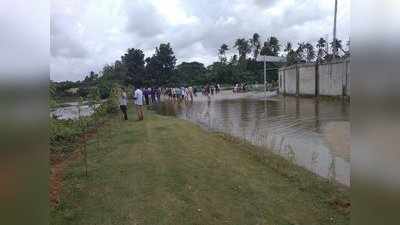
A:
(164, 170)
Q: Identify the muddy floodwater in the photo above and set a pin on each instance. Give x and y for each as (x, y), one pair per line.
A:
(72, 110)
(313, 134)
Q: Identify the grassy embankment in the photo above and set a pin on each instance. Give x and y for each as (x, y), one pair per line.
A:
(164, 170)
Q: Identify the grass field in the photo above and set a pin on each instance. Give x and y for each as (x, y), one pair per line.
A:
(164, 170)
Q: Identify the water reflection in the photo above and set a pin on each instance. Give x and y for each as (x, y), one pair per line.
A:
(313, 134)
(73, 111)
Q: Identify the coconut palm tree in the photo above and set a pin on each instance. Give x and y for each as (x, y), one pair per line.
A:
(221, 52)
(321, 45)
(274, 45)
(288, 47)
(243, 47)
(256, 45)
(290, 54)
(336, 45)
(266, 49)
(310, 53)
(300, 52)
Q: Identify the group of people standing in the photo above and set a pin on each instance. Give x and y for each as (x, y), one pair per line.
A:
(211, 89)
(181, 93)
(239, 87)
(140, 97)
(149, 96)
(152, 95)
(187, 93)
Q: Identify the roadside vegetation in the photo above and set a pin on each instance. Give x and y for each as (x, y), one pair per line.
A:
(68, 138)
(165, 170)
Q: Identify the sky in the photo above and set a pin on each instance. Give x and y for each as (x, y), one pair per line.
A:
(24, 40)
(85, 35)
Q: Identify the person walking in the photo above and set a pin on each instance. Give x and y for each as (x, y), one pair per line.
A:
(146, 95)
(123, 103)
(159, 90)
(184, 94)
(195, 91)
(174, 94)
(178, 95)
(153, 95)
(138, 97)
(207, 91)
(190, 91)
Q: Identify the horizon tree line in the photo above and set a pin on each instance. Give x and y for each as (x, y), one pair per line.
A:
(160, 69)
(305, 51)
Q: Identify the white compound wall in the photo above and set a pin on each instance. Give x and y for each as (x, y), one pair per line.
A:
(333, 79)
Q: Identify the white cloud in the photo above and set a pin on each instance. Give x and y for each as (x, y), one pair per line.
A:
(92, 33)
(24, 39)
(174, 12)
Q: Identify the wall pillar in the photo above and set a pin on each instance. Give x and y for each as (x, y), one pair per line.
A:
(317, 79)
(297, 80)
(345, 92)
(284, 82)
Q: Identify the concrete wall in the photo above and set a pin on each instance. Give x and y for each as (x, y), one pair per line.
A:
(348, 78)
(332, 79)
(290, 81)
(307, 80)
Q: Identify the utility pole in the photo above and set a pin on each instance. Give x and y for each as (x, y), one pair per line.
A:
(327, 43)
(334, 32)
(265, 69)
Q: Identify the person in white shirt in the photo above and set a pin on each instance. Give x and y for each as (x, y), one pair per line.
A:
(183, 93)
(123, 103)
(138, 97)
(186, 90)
(190, 91)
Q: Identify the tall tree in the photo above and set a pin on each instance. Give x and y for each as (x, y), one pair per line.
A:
(288, 47)
(321, 45)
(222, 52)
(234, 60)
(161, 65)
(256, 45)
(190, 73)
(266, 49)
(271, 47)
(274, 45)
(336, 45)
(120, 72)
(243, 47)
(310, 53)
(290, 54)
(134, 62)
(153, 70)
(300, 51)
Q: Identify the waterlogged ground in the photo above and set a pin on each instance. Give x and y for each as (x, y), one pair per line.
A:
(313, 134)
(72, 110)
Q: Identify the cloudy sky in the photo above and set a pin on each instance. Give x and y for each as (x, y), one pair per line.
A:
(87, 34)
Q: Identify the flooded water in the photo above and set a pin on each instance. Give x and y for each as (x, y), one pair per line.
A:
(312, 134)
(72, 110)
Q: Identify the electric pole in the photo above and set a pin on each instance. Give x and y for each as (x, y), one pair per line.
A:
(334, 32)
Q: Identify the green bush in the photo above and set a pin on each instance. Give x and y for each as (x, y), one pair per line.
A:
(63, 133)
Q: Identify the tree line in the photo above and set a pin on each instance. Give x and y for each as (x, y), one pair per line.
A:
(160, 69)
